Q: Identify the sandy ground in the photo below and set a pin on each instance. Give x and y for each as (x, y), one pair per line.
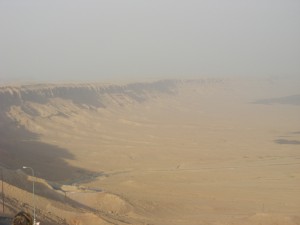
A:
(207, 155)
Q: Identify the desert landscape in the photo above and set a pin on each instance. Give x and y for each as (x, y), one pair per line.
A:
(211, 151)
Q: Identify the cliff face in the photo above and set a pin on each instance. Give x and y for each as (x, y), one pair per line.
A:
(82, 94)
(21, 109)
(46, 100)
(91, 96)
(25, 110)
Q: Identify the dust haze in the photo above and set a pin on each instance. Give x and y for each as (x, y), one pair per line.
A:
(90, 41)
(151, 112)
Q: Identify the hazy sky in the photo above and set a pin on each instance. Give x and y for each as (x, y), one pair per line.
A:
(64, 40)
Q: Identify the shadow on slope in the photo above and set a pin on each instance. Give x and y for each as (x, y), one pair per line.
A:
(20, 147)
(289, 100)
(287, 142)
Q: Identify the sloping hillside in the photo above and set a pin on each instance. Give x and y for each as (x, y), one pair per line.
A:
(168, 153)
(24, 109)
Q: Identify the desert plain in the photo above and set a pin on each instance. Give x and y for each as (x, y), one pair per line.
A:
(170, 152)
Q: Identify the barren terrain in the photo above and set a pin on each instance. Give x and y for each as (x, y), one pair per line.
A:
(207, 151)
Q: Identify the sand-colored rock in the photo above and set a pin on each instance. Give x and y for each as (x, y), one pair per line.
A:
(210, 151)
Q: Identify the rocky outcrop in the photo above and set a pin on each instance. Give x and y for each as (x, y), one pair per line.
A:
(92, 95)
(24, 109)
(287, 100)
(82, 94)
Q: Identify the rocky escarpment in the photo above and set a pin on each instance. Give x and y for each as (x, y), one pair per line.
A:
(32, 99)
(89, 95)
(23, 109)
(287, 100)
(82, 94)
